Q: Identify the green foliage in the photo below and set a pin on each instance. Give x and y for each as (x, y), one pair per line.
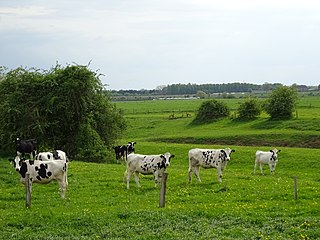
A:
(211, 110)
(249, 109)
(54, 106)
(281, 103)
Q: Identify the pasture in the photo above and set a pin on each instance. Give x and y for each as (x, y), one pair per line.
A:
(243, 206)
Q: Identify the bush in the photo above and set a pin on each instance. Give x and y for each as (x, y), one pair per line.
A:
(211, 110)
(63, 108)
(249, 109)
(281, 103)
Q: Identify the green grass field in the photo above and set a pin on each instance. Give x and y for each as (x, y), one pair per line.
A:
(243, 206)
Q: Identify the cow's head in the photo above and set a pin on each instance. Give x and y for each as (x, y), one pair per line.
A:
(130, 146)
(226, 153)
(274, 159)
(17, 141)
(17, 162)
(166, 158)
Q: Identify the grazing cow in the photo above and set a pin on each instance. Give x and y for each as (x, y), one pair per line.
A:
(121, 152)
(130, 147)
(208, 158)
(263, 158)
(43, 172)
(26, 146)
(147, 164)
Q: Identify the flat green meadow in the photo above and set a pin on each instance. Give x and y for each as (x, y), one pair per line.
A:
(243, 206)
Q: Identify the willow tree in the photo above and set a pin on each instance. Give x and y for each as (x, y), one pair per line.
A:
(64, 107)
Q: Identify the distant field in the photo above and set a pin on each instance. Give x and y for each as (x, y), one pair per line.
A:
(243, 206)
(153, 120)
(157, 106)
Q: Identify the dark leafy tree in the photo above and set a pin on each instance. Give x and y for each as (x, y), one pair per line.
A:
(64, 108)
(281, 103)
(211, 110)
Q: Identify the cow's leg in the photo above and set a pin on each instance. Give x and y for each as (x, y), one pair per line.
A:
(136, 178)
(196, 172)
(63, 187)
(157, 178)
(219, 174)
(190, 171)
(128, 174)
(255, 167)
(261, 168)
(125, 176)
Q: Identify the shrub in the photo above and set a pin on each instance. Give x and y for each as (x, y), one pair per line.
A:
(63, 108)
(249, 109)
(281, 103)
(211, 110)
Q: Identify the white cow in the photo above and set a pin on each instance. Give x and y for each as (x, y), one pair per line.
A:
(43, 172)
(263, 158)
(147, 164)
(208, 158)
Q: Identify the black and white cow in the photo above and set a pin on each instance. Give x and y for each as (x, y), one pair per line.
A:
(121, 152)
(43, 172)
(146, 164)
(130, 147)
(26, 146)
(270, 158)
(208, 158)
(54, 155)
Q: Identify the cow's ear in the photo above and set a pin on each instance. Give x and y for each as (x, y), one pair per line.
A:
(222, 151)
(233, 150)
(10, 159)
(172, 156)
(279, 150)
(162, 156)
(271, 151)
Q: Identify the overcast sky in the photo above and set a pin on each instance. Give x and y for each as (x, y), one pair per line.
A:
(142, 44)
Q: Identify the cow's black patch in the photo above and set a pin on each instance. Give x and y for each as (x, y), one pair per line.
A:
(161, 165)
(23, 169)
(31, 162)
(55, 154)
(42, 170)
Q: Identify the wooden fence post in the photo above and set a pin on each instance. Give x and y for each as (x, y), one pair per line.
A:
(163, 190)
(28, 192)
(295, 188)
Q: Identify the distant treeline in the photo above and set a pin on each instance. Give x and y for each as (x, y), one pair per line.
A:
(210, 88)
(188, 89)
